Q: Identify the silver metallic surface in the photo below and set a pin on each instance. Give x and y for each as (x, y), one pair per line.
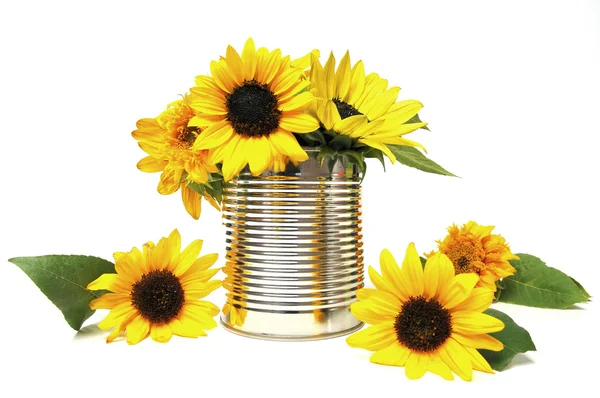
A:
(294, 251)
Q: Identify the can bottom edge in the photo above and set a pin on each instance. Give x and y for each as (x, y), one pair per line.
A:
(275, 337)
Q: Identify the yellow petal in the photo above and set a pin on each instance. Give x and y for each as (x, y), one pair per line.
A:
(117, 315)
(471, 322)
(438, 272)
(391, 273)
(478, 362)
(382, 103)
(137, 330)
(236, 67)
(357, 85)
(222, 76)
(329, 70)
(161, 333)
(286, 144)
(416, 365)
(298, 122)
(259, 155)
(202, 263)
(365, 312)
(412, 268)
(249, 59)
(235, 157)
(111, 282)
(455, 356)
(204, 306)
(393, 355)
(199, 316)
(198, 279)
(480, 300)
(151, 165)
(187, 257)
(297, 103)
(109, 300)
(438, 367)
(191, 201)
(328, 114)
(343, 77)
(365, 293)
(479, 341)
(373, 338)
(350, 124)
(457, 290)
(203, 291)
(214, 136)
(381, 283)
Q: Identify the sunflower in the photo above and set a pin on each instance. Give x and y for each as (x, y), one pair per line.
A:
(362, 107)
(251, 105)
(167, 140)
(156, 292)
(425, 318)
(473, 248)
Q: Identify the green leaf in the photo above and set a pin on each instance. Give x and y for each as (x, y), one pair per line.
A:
(355, 158)
(416, 119)
(412, 157)
(63, 279)
(581, 288)
(376, 154)
(341, 143)
(537, 285)
(423, 261)
(515, 339)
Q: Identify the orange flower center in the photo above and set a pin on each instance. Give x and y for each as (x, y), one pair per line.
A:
(466, 257)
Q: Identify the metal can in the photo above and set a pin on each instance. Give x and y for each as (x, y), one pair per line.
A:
(294, 251)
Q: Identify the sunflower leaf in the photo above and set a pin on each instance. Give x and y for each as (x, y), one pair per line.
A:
(423, 261)
(416, 119)
(356, 158)
(537, 285)
(63, 279)
(515, 339)
(412, 157)
(376, 154)
(341, 143)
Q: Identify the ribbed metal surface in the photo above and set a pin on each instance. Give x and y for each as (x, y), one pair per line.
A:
(294, 251)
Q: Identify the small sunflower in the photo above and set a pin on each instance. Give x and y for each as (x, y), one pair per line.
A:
(168, 141)
(251, 105)
(156, 292)
(473, 248)
(425, 318)
(362, 107)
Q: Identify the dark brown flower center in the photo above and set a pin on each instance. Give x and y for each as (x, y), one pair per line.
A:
(158, 296)
(423, 325)
(345, 109)
(252, 109)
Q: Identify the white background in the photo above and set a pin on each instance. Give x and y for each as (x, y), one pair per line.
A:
(511, 93)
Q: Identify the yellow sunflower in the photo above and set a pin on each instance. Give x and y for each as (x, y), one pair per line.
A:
(251, 105)
(168, 141)
(156, 292)
(425, 319)
(350, 103)
(473, 248)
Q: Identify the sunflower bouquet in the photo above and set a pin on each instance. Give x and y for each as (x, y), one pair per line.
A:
(260, 110)
(257, 113)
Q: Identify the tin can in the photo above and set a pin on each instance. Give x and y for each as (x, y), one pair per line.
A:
(294, 251)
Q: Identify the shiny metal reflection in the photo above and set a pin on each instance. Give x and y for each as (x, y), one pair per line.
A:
(294, 251)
